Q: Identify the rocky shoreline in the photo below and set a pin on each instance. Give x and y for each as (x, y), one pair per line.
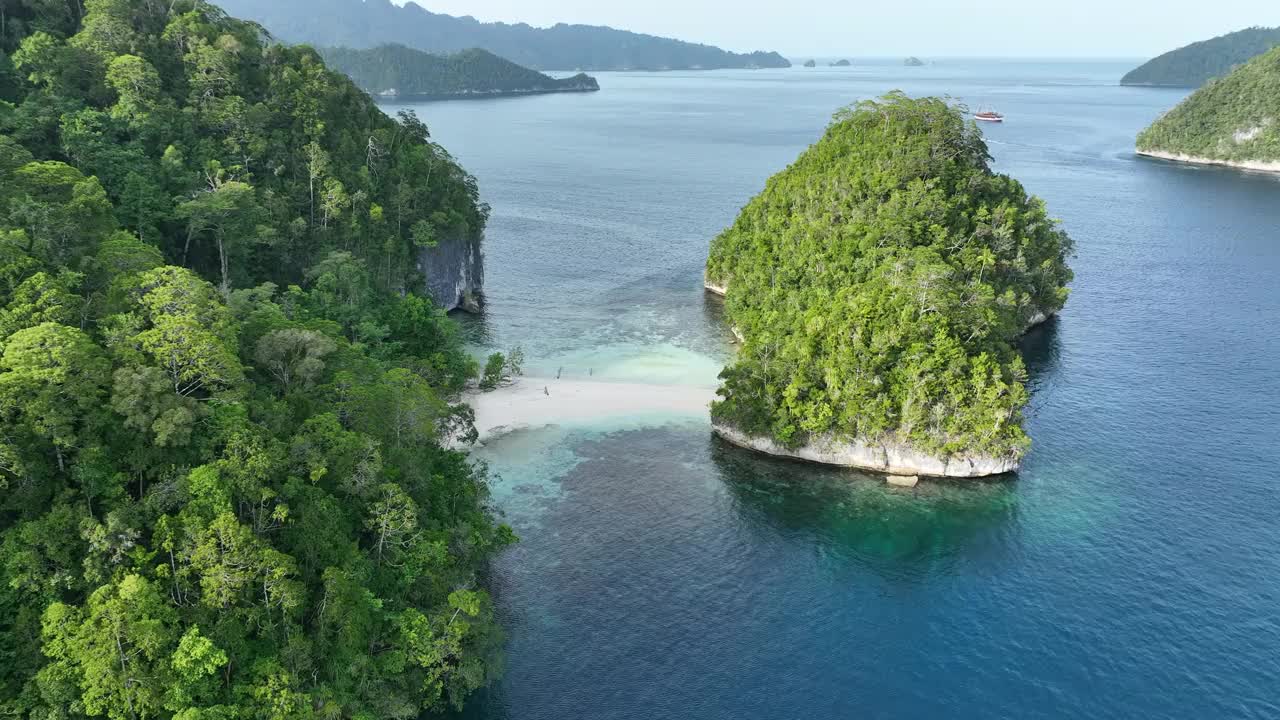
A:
(887, 458)
(1254, 165)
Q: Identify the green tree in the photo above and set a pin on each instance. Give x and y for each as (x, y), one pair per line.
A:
(293, 357)
(118, 649)
(195, 662)
(63, 212)
(41, 58)
(137, 84)
(144, 397)
(52, 378)
(187, 332)
(42, 299)
(118, 262)
(229, 212)
(107, 28)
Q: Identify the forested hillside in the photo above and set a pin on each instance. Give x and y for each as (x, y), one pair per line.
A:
(370, 23)
(1232, 120)
(1197, 63)
(225, 488)
(880, 283)
(410, 72)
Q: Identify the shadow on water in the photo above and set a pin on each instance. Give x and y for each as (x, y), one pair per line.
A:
(857, 517)
(1042, 347)
(477, 327)
(1042, 352)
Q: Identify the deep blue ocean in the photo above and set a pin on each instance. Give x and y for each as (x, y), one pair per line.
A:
(1131, 570)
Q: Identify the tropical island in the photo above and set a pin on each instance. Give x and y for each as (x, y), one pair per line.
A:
(1195, 64)
(913, 62)
(366, 24)
(1234, 121)
(401, 72)
(226, 393)
(841, 63)
(879, 285)
(811, 63)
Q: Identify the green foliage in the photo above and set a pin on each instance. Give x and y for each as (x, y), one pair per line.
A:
(880, 283)
(499, 369)
(470, 72)
(493, 370)
(272, 161)
(225, 488)
(137, 85)
(367, 23)
(116, 650)
(1198, 63)
(1235, 119)
(9, 82)
(294, 357)
(53, 376)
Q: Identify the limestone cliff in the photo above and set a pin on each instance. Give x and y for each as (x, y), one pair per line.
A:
(453, 272)
(881, 457)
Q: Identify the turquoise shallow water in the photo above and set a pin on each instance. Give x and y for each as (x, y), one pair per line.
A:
(1131, 570)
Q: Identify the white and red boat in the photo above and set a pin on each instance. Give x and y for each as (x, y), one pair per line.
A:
(988, 116)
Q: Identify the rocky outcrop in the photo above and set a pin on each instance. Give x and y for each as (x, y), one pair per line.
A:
(1255, 165)
(889, 458)
(453, 272)
(1040, 317)
(721, 291)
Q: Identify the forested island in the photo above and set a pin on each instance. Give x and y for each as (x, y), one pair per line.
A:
(913, 62)
(1234, 121)
(224, 397)
(401, 72)
(841, 63)
(1195, 64)
(370, 23)
(811, 63)
(879, 285)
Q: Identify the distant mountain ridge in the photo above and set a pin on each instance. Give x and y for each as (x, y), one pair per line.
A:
(1193, 65)
(363, 24)
(398, 71)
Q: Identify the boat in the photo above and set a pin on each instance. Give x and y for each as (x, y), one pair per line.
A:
(988, 116)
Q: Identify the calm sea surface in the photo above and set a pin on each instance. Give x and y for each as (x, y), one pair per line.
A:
(1132, 570)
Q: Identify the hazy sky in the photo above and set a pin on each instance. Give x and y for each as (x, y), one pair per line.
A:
(1038, 28)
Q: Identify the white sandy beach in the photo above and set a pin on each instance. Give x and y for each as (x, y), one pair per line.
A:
(531, 403)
